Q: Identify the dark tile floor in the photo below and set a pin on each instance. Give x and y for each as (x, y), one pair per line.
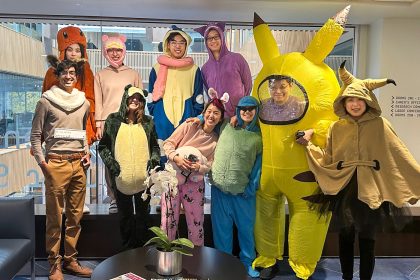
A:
(328, 268)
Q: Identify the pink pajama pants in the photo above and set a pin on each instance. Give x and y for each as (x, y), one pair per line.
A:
(191, 195)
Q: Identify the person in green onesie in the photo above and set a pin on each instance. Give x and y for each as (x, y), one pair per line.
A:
(129, 149)
(234, 177)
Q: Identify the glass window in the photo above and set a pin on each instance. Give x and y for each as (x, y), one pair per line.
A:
(21, 79)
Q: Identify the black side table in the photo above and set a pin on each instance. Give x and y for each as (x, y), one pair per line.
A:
(206, 263)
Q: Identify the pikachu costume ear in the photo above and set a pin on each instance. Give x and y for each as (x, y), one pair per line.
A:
(266, 44)
(319, 48)
(326, 38)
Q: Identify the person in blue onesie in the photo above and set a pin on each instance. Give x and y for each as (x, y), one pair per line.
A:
(234, 177)
(176, 86)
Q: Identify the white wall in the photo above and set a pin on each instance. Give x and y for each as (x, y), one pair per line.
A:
(393, 51)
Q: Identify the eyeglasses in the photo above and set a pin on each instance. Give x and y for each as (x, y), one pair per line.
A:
(71, 73)
(247, 108)
(114, 50)
(214, 38)
(179, 43)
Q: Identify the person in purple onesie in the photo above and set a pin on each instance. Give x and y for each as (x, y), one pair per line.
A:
(225, 71)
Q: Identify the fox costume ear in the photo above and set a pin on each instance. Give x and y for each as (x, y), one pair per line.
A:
(53, 61)
(145, 92)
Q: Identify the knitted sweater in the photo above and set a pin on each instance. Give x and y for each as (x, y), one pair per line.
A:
(59, 109)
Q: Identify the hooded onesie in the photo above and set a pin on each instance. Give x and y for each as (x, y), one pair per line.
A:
(65, 37)
(285, 171)
(235, 177)
(128, 151)
(176, 87)
(230, 73)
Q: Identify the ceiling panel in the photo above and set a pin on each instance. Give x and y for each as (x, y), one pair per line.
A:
(273, 11)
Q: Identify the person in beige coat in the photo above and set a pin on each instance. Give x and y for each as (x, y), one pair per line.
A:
(365, 172)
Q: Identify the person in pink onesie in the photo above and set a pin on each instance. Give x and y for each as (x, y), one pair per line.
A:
(191, 166)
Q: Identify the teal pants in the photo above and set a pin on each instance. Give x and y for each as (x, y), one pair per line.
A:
(228, 210)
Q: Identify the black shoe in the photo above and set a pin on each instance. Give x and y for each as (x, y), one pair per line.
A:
(269, 272)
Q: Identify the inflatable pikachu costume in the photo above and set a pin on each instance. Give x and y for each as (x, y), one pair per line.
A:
(296, 91)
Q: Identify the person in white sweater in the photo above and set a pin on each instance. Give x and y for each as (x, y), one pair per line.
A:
(60, 119)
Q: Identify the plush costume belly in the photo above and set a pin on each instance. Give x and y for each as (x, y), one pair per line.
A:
(234, 158)
(179, 88)
(132, 153)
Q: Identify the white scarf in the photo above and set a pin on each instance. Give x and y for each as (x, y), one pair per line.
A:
(67, 101)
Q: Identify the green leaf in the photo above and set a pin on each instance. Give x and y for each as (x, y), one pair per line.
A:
(160, 233)
(161, 241)
(183, 242)
(158, 242)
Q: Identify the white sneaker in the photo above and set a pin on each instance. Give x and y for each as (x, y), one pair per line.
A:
(113, 208)
(86, 209)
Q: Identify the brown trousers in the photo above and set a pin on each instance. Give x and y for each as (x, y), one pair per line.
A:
(66, 183)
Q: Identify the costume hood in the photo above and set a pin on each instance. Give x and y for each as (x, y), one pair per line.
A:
(114, 42)
(248, 101)
(220, 28)
(353, 87)
(68, 36)
(129, 91)
(181, 32)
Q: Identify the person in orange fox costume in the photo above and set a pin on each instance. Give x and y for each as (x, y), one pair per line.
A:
(72, 46)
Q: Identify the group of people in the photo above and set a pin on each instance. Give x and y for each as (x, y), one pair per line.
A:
(220, 137)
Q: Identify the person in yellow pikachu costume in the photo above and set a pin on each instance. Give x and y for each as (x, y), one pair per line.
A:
(296, 91)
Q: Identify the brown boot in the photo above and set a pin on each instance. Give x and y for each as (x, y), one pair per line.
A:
(55, 272)
(75, 268)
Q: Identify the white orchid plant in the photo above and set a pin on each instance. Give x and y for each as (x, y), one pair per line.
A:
(157, 184)
(160, 182)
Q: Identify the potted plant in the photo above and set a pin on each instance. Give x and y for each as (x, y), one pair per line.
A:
(169, 253)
